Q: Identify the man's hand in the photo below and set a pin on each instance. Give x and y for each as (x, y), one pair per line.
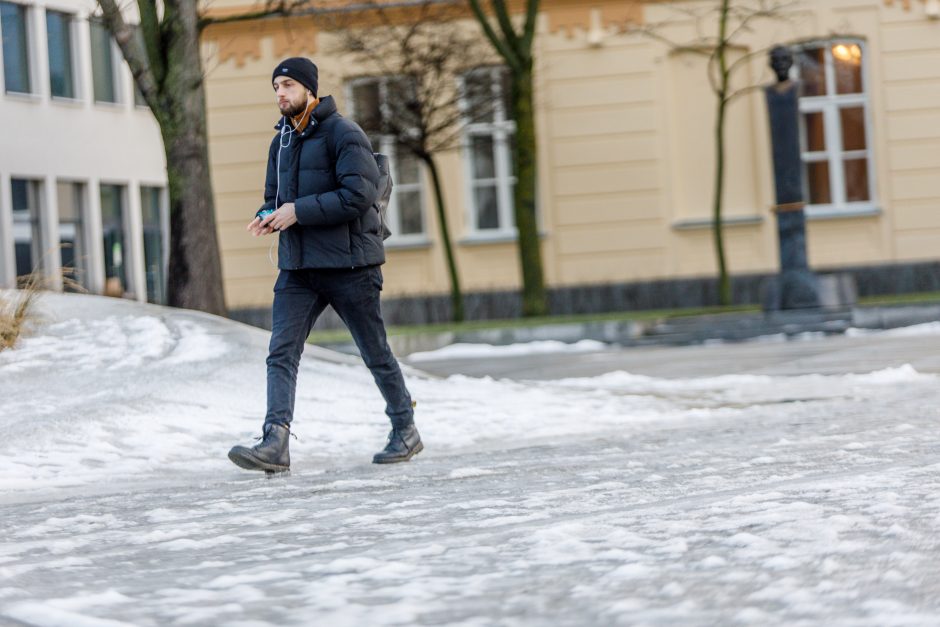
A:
(256, 229)
(282, 218)
(277, 221)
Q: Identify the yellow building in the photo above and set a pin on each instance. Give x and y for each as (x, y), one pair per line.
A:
(625, 126)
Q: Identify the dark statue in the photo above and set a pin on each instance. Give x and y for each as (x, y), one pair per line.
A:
(796, 287)
(781, 60)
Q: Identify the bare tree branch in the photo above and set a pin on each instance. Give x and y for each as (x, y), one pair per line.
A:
(150, 31)
(272, 8)
(695, 47)
(505, 24)
(743, 92)
(532, 10)
(509, 54)
(133, 51)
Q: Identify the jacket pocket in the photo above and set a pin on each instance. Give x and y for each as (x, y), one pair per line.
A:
(327, 247)
(288, 250)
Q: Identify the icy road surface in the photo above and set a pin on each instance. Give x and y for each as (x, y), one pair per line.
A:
(615, 499)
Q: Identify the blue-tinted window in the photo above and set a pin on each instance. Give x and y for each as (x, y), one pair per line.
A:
(59, 31)
(115, 240)
(15, 47)
(26, 233)
(102, 63)
(74, 252)
(151, 209)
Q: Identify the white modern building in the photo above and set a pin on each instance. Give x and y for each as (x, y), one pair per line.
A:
(82, 167)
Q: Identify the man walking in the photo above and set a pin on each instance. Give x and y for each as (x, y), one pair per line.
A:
(319, 195)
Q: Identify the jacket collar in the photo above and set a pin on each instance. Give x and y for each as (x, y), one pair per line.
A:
(325, 109)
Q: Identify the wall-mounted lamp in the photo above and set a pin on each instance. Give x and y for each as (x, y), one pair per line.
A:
(595, 36)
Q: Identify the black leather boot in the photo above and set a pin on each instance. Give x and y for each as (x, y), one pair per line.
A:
(403, 444)
(271, 454)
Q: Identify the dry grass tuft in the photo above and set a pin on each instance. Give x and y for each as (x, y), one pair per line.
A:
(17, 309)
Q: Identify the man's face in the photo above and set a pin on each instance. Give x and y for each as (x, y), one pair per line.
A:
(291, 96)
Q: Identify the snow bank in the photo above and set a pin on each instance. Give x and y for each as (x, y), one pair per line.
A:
(106, 392)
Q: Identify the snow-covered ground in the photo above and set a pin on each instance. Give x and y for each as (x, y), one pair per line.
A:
(618, 499)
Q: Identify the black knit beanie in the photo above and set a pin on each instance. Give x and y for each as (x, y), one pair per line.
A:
(300, 69)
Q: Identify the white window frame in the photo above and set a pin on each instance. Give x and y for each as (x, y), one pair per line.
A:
(388, 146)
(501, 129)
(829, 106)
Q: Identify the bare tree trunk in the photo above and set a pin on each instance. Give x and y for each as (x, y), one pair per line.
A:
(168, 70)
(195, 276)
(516, 50)
(724, 283)
(456, 295)
(530, 256)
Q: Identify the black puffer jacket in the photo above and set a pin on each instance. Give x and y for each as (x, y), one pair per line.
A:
(329, 173)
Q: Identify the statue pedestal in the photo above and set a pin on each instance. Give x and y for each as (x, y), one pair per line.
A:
(805, 290)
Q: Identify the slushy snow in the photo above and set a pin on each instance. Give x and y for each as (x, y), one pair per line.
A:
(619, 499)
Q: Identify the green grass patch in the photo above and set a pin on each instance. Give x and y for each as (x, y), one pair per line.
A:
(901, 299)
(338, 336)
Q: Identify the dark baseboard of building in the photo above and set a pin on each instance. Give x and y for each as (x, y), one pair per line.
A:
(610, 297)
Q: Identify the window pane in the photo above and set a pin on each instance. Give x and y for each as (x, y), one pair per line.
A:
(409, 212)
(26, 236)
(154, 255)
(102, 63)
(856, 180)
(814, 125)
(487, 212)
(366, 106)
(481, 149)
(403, 104)
(112, 225)
(478, 95)
(817, 179)
(71, 233)
(150, 206)
(812, 64)
(15, 47)
(58, 28)
(406, 166)
(847, 61)
(853, 128)
(69, 197)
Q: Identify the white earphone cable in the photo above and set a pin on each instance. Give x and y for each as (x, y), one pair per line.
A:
(288, 131)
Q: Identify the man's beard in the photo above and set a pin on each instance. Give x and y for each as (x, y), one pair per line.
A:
(294, 110)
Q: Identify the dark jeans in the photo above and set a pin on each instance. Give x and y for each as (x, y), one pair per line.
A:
(300, 296)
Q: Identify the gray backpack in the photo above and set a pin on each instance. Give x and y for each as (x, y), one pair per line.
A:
(384, 187)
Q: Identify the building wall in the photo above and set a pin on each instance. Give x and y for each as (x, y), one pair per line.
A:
(625, 151)
(52, 139)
